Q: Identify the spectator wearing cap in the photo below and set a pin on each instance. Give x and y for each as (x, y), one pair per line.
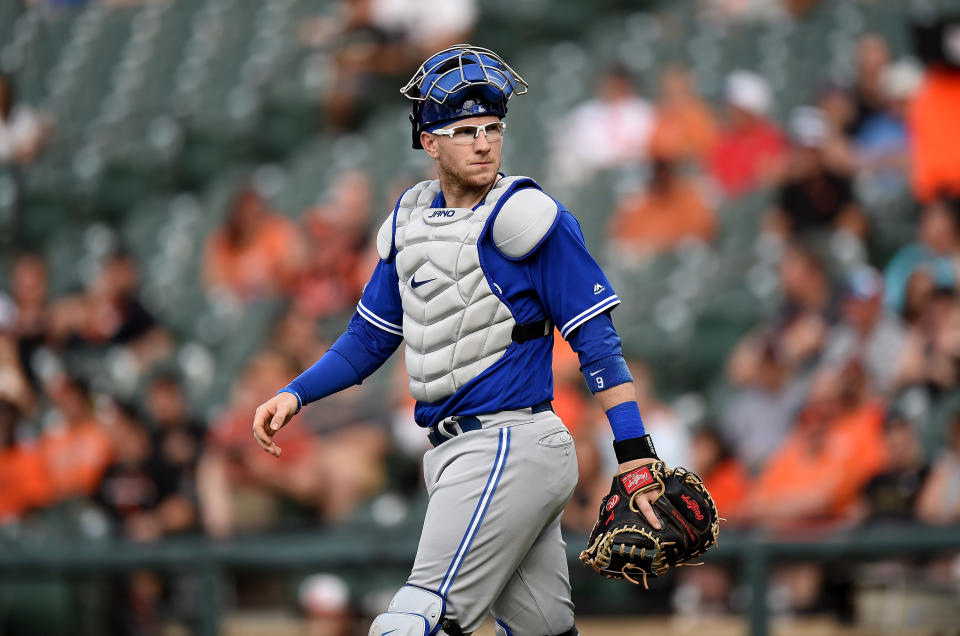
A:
(608, 131)
(814, 197)
(867, 331)
(751, 148)
(325, 600)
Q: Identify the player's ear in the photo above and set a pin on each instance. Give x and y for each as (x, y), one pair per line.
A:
(429, 143)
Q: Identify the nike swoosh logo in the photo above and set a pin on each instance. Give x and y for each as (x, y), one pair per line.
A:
(416, 283)
(392, 630)
(593, 373)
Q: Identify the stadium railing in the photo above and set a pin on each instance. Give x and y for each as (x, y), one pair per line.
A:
(754, 553)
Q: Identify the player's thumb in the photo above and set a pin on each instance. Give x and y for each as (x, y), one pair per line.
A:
(278, 420)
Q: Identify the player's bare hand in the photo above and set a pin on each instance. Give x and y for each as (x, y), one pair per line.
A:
(270, 417)
(643, 499)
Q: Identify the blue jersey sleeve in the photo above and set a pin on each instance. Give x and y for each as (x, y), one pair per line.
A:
(380, 303)
(568, 280)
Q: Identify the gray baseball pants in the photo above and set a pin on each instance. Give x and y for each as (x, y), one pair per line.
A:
(491, 536)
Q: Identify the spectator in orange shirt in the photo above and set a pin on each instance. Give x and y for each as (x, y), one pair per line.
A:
(751, 148)
(78, 451)
(684, 127)
(256, 253)
(24, 483)
(836, 447)
(725, 477)
(669, 212)
(934, 125)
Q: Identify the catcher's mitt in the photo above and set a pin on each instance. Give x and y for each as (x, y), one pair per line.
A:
(623, 544)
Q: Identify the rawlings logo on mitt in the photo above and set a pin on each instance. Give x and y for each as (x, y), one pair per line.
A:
(623, 544)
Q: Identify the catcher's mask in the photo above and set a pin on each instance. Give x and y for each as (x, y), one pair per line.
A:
(459, 82)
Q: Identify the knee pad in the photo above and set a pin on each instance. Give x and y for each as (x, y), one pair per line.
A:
(413, 611)
(500, 629)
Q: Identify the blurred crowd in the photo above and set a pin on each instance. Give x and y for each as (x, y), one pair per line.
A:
(841, 407)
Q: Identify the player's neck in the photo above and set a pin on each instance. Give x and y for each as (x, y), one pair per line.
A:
(459, 195)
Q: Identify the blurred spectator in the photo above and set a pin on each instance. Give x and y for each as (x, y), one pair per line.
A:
(837, 110)
(24, 482)
(569, 400)
(256, 253)
(28, 287)
(931, 355)
(338, 233)
(670, 211)
(108, 312)
(296, 336)
(141, 492)
(325, 599)
(932, 121)
(870, 98)
(426, 27)
(769, 369)
(14, 384)
(939, 501)
(814, 196)
(725, 477)
(76, 449)
(22, 129)
(937, 251)
(328, 475)
(176, 436)
(751, 148)
(882, 144)
(867, 332)
(685, 127)
(892, 495)
(764, 401)
(661, 421)
(610, 130)
(241, 489)
(834, 449)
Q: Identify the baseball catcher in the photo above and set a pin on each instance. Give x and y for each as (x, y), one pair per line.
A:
(623, 544)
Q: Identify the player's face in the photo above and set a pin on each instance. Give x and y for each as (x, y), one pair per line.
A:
(472, 166)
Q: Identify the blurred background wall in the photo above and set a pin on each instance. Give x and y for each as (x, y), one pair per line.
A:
(188, 191)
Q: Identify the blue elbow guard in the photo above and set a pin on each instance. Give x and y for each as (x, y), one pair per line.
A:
(606, 373)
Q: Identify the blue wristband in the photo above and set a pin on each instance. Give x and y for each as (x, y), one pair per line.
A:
(606, 372)
(625, 421)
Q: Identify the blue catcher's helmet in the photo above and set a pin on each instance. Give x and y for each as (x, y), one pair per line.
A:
(459, 82)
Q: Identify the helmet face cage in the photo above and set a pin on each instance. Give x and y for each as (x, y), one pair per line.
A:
(439, 84)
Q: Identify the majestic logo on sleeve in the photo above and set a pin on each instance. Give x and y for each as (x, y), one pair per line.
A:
(598, 288)
(693, 506)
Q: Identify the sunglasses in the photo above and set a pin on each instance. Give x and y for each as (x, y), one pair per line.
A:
(466, 134)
